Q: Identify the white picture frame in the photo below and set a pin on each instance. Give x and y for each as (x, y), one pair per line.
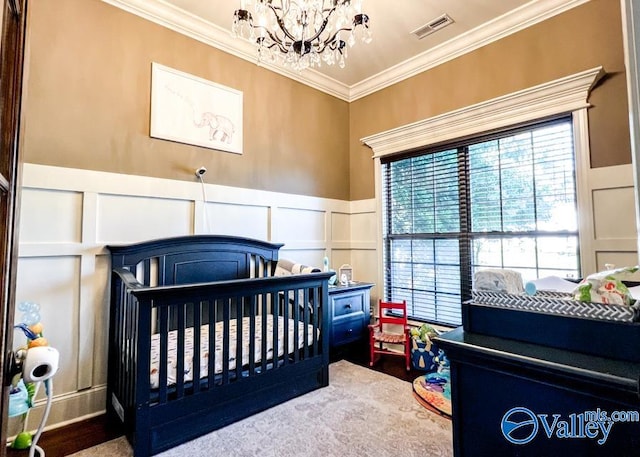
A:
(345, 274)
(191, 110)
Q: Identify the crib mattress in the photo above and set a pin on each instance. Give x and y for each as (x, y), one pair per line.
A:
(172, 362)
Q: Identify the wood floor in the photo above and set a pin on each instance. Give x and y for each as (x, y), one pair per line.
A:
(82, 435)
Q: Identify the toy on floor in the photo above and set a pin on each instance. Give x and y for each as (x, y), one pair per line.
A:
(33, 364)
(424, 352)
(433, 390)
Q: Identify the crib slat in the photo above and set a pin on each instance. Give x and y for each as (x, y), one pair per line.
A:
(316, 321)
(274, 329)
(146, 273)
(239, 338)
(306, 323)
(263, 345)
(296, 326)
(325, 319)
(225, 341)
(161, 270)
(212, 344)
(197, 356)
(252, 331)
(256, 265)
(180, 372)
(163, 329)
(285, 317)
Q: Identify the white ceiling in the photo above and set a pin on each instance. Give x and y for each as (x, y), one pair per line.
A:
(394, 53)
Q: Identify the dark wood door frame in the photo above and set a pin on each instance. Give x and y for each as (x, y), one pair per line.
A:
(13, 29)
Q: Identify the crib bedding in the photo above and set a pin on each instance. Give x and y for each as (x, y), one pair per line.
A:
(219, 334)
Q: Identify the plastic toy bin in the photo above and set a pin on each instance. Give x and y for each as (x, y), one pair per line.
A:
(423, 355)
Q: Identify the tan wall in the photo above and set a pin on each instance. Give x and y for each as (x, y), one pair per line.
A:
(582, 38)
(88, 99)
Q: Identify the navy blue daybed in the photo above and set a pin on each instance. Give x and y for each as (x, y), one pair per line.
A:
(263, 339)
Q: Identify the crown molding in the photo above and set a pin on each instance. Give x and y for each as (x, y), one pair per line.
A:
(187, 24)
(514, 21)
(562, 95)
(180, 21)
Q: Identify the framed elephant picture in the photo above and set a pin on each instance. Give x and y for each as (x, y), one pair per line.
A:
(191, 110)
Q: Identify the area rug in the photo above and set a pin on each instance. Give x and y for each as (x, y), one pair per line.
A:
(361, 413)
(433, 391)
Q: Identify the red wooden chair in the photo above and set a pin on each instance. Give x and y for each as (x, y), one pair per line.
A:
(380, 336)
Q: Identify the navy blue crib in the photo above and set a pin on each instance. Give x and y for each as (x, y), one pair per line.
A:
(201, 334)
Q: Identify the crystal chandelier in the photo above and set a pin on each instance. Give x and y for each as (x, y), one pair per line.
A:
(302, 33)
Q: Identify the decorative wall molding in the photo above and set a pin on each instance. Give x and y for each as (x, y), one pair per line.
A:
(68, 216)
(514, 21)
(192, 26)
(187, 24)
(612, 198)
(563, 95)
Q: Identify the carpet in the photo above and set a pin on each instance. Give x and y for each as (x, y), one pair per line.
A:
(361, 413)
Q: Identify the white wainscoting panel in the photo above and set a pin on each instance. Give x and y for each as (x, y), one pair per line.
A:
(341, 257)
(59, 212)
(127, 219)
(69, 216)
(610, 222)
(231, 219)
(300, 225)
(53, 283)
(614, 217)
(341, 227)
(363, 227)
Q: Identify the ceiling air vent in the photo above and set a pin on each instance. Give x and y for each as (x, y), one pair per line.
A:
(436, 24)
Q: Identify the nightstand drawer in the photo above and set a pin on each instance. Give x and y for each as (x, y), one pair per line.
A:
(350, 313)
(348, 304)
(347, 330)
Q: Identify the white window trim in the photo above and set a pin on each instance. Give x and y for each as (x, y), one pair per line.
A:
(565, 95)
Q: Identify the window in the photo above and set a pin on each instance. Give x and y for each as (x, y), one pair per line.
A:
(507, 200)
